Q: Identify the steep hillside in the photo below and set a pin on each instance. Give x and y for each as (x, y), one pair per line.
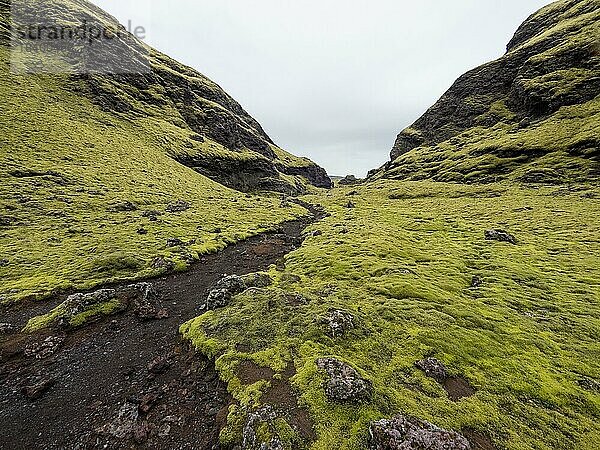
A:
(202, 126)
(532, 114)
(104, 177)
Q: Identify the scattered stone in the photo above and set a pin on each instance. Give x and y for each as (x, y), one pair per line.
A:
(222, 293)
(152, 216)
(147, 402)
(4, 262)
(589, 384)
(217, 231)
(264, 416)
(37, 390)
(501, 236)
(174, 242)
(145, 301)
(160, 365)
(339, 322)
(79, 303)
(350, 205)
(476, 282)
(433, 368)
(44, 349)
(6, 328)
(142, 231)
(178, 206)
(317, 233)
(125, 206)
(124, 425)
(352, 193)
(403, 433)
(162, 263)
(344, 384)
(257, 280)
(6, 221)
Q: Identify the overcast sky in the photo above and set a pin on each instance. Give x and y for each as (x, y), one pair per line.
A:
(334, 80)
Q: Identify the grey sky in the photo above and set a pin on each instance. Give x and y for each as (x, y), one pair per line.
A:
(334, 80)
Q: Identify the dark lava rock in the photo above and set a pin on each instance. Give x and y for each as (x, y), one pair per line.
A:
(78, 303)
(339, 322)
(178, 206)
(350, 205)
(542, 176)
(124, 424)
(44, 349)
(125, 206)
(174, 242)
(344, 384)
(476, 282)
(259, 419)
(152, 216)
(4, 262)
(589, 384)
(142, 231)
(6, 221)
(349, 180)
(403, 433)
(38, 389)
(160, 365)
(222, 293)
(433, 368)
(145, 301)
(160, 262)
(501, 236)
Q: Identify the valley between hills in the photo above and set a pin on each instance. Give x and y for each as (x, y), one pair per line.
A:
(171, 278)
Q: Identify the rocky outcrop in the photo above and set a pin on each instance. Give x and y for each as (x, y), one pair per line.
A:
(344, 384)
(403, 433)
(553, 61)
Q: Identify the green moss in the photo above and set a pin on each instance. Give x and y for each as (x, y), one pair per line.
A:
(103, 309)
(92, 313)
(63, 231)
(402, 262)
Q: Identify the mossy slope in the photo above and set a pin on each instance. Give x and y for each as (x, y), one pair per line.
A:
(534, 109)
(402, 262)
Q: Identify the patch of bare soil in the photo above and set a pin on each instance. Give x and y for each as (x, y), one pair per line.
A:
(123, 382)
(458, 388)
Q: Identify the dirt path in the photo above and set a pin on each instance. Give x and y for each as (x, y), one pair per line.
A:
(101, 392)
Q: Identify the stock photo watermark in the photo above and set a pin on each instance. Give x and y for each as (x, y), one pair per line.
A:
(49, 39)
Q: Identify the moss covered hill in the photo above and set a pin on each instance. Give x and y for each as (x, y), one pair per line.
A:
(533, 114)
(97, 172)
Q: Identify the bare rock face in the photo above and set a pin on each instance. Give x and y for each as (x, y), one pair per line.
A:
(344, 384)
(403, 433)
